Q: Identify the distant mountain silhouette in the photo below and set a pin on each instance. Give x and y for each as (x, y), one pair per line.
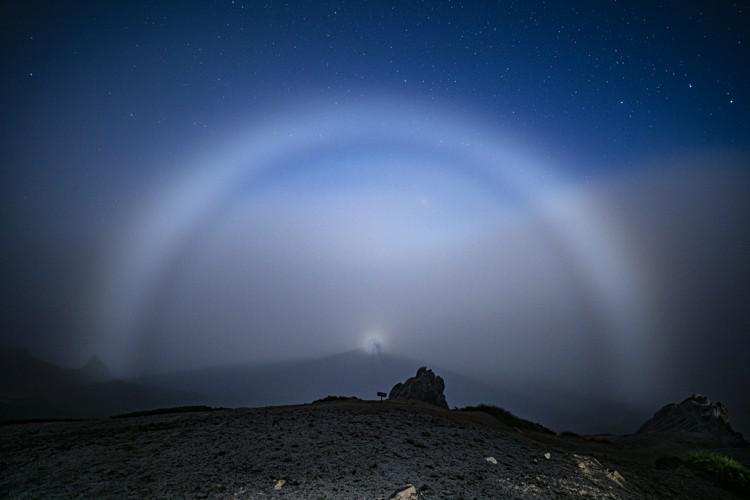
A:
(33, 388)
(361, 374)
(23, 375)
(95, 370)
(353, 373)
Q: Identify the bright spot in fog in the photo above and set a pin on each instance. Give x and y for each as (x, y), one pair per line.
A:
(374, 343)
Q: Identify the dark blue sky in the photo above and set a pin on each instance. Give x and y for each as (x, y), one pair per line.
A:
(603, 81)
(94, 91)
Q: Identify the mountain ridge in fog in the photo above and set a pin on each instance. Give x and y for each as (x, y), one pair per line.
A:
(23, 373)
(89, 391)
(31, 388)
(361, 374)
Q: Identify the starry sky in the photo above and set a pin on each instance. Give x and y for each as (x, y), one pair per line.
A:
(607, 83)
(185, 183)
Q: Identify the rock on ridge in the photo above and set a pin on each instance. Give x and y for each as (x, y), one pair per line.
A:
(425, 386)
(696, 414)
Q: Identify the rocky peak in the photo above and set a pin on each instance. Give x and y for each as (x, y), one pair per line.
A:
(425, 386)
(696, 414)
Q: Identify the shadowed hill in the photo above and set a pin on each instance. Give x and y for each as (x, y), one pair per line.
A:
(357, 373)
(22, 374)
(31, 388)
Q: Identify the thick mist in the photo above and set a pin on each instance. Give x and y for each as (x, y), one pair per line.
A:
(439, 270)
(630, 287)
(434, 265)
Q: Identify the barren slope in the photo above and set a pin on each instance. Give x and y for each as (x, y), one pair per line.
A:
(326, 450)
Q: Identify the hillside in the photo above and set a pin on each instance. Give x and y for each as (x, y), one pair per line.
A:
(344, 449)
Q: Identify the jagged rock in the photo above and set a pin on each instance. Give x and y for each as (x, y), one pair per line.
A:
(696, 414)
(617, 478)
(425, 386)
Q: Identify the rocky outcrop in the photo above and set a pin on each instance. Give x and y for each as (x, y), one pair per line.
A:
(425, 386)
(696, 414)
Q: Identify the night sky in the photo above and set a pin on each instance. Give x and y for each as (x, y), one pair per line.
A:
(553, 191)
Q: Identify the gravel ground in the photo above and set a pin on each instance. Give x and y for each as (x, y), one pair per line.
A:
(345, 450)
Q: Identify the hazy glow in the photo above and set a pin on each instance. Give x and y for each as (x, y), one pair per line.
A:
(205, 195)
(374, 342)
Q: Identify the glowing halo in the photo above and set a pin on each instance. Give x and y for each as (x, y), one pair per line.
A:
(374, 342)
(210, 181)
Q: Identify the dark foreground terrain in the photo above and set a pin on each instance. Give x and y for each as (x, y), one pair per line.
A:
(339, 449)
